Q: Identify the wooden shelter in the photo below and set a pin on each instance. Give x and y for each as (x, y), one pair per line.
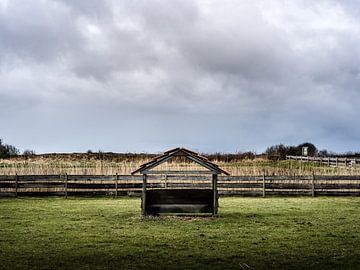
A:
(157, 201)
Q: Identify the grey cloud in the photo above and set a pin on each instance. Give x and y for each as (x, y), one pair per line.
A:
(127, 44)
(170, 18)
(91, 8)
(213, 76)
(37, 30)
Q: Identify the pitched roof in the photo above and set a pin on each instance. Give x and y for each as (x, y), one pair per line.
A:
(172, 153)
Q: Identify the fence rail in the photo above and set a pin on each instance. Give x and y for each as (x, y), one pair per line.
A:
(65, 185)
(331, 161)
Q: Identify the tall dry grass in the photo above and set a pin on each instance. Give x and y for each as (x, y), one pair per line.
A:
(45, 166)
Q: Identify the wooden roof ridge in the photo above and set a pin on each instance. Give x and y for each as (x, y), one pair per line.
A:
(169, 154)
(171, 150)
(194, 153)
(153, 160)
(201, 157)
(158, 159)
(205, 159)
(216, 167)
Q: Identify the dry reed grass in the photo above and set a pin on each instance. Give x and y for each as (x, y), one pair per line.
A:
(48, 166)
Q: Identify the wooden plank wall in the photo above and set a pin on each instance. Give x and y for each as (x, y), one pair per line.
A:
(62, 185)
(179, 201)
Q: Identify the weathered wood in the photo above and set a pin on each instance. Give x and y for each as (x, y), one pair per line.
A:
(313, 185)
(90, 193)
(194, 185)
(241, 192)
(155, 209)
(7, 194)
(132, 177)
(239, 178)
(263, 186)
(29, 178)
(6, 178)
(143, 197)
(178, 172)
(42, 182)
(179, 177)
(239, 183)
(32, 185)
(8, 185)
(337, 186)
(179, 201)
(206, 164)
(65, 186)
(77, 185)
(290, 193)
(116, 185)
(260, 178)
(338, 177)
(90, 177)
(338, 193)
(215, 194)
(242, 185)
(170, 177)
(41, 193)
(181, 196)
(165, 181)
(16, 184)
(288, 186)
(183, 152)
(153, 164)
(288, 177)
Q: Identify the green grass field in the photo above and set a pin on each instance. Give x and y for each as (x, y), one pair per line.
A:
(250, 233)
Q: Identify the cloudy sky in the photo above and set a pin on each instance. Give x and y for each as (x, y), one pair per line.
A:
(150, 75)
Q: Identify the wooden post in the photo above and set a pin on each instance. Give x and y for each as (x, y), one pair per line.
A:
(66, 184)
(263, 186)
(165, 183)
(116, 185)
(328, 161)
(143, 197)
(345, 162)
(313, 184)
(16, 184)
(214, 186)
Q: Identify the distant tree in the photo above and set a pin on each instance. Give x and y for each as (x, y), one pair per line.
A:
(12, 150)
(29, 153)
(312, 150)
(323, 153)
(7, 150)
(280, 151)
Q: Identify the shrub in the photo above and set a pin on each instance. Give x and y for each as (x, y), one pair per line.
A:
(7, 150)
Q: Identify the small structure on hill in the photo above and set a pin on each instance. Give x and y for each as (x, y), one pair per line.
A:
(179, 200)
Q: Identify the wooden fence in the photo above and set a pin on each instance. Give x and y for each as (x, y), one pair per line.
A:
(115, 185)
(330, 161)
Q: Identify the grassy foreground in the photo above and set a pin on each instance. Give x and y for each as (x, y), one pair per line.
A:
(250, 233)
